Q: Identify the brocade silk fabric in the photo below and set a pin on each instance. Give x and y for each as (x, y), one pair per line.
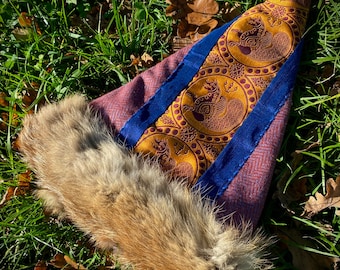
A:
(214, 113)
(203, 118)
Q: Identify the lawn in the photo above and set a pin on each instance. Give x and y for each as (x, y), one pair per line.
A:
(50, 49)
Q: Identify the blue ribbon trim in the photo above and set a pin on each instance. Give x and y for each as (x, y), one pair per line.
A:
(170, 89)
(220, 174)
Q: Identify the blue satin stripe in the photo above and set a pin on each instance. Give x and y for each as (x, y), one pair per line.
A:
(170, 89)
(221, 173)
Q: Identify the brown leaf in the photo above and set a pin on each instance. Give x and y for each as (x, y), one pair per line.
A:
(74, 264)
(22, 33)
(178, 9)
(198, 18)
(5, 116)
(147, 60)
(203, 11)
(319, 202)
(170, 9)
(3, 121)
(207, 27)
(203, 30)
(40, 265)
(58, 261)
(64, 262)
(25, 179)
(7, 196)
(135, 61)
(208, 7)
(195, 17)
(16, 144)
(25, 20)
(30, 93)
(182, 28)
(3, 101)
(21, 189)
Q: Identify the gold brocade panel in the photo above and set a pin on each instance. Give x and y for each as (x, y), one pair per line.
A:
(203, 118)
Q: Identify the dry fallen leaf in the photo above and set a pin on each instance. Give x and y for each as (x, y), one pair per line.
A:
(25, 20)
(21, 33)
(27, 23)
(40, 265)
(74, 264)
(319, 202)
(135, 61)
(202, 30)
(177, 9)
(203, 11)
(195, 17)
(58, 261)
(3, 101)
(147, 60)
(28, 97)
(3, 121)
(61, 261)
(3, 115)
(22, 188)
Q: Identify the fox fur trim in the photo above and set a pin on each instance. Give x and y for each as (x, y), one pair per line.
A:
(126, 202)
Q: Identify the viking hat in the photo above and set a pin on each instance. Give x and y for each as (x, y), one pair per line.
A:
(215, 113)
(142, 168)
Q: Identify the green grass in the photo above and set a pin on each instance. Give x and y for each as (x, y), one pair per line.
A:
(28, 236)
(93, 57)
(313, 129)
(88, 58)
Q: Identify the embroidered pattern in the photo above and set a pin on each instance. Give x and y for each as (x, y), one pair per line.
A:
(203, 118)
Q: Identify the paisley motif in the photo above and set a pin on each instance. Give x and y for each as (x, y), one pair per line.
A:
(203, 118)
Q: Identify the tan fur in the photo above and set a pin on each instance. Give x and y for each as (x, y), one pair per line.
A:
(124, 202)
